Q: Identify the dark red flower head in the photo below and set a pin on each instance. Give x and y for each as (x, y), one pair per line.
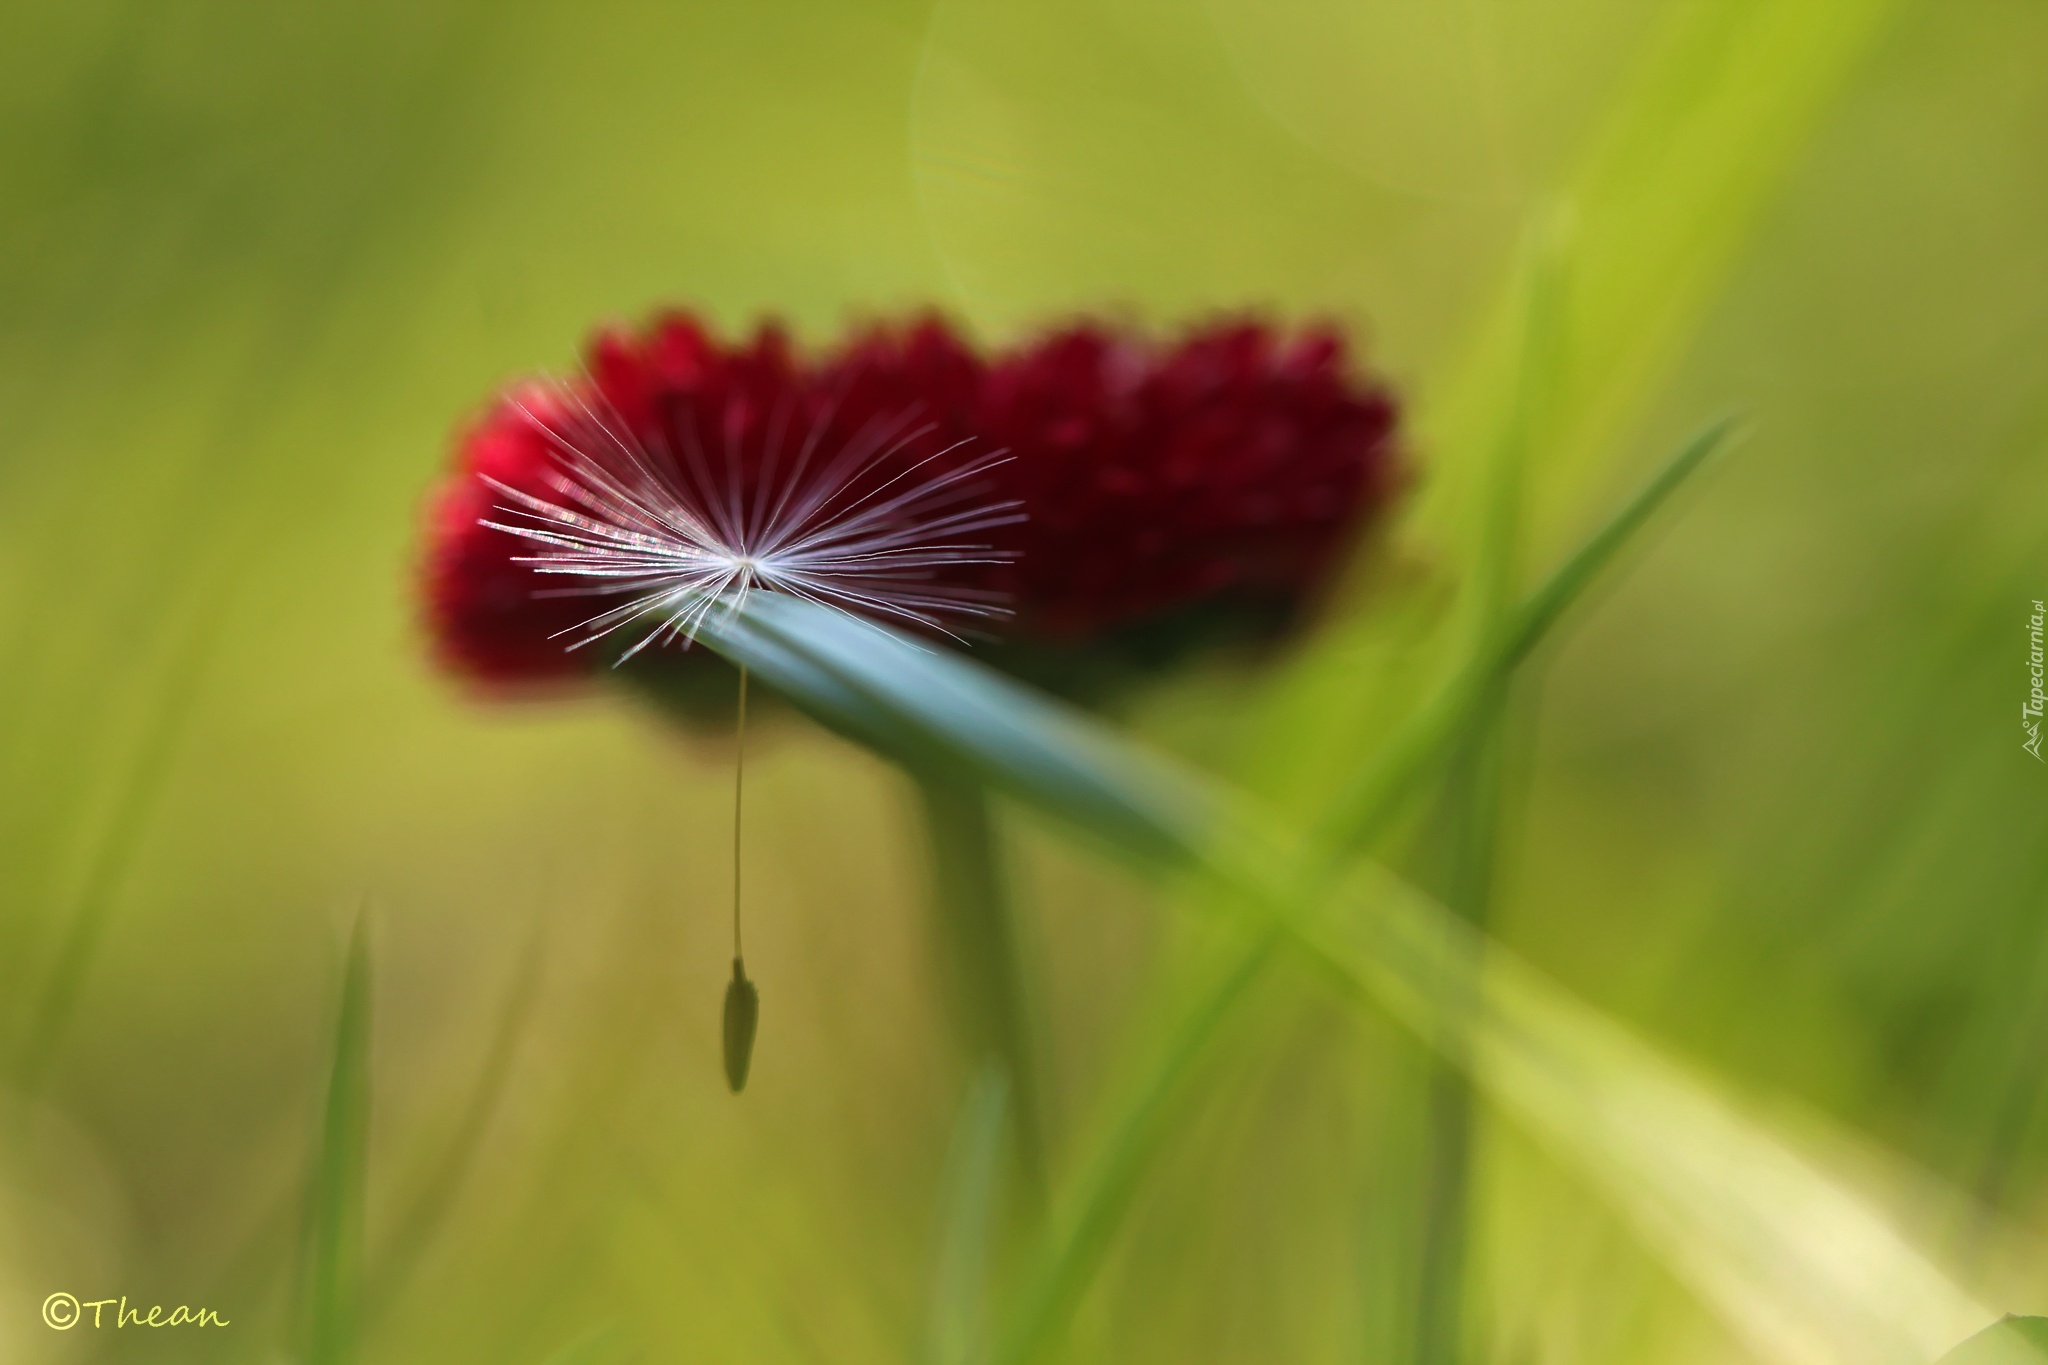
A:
(1208, 488)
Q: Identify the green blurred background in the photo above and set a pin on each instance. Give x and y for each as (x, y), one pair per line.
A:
(258, 260)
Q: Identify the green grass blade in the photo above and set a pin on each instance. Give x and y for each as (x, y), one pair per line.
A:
(333, 1250)
(1505, 474)
(1796, 1264)
(1533, 618)
(1369, 800)
(596, 1347)
(1459, 863)
(1110, 1178)
(972, 906)
(1468, 812)
(1667, 192)
(968, 1207)
(430, 1207)
(2014, 1341)
(98, 895)
(1650, 222)
(1791, 1260)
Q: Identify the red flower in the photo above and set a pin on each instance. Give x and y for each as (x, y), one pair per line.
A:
(1236, 467)
(1209, 487)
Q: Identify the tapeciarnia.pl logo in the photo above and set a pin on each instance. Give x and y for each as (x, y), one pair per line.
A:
(2030, 714)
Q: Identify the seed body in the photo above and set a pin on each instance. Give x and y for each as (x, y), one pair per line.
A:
(742, 1014)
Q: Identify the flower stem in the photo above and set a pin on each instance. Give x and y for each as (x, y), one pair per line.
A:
(979, 941)
(1464, 835)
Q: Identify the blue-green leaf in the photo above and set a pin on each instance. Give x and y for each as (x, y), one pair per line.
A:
(1793, 1261)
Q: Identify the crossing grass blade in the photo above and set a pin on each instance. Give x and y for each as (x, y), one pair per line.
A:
(333, 1247)
(1368, 800)
(1066, 1262)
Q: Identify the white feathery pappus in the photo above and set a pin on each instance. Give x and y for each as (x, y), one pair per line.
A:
(679, 534)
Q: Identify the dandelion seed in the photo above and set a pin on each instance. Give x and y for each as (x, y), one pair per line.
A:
(680, 535)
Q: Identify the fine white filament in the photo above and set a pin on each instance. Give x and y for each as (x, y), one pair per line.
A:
(676, 533)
